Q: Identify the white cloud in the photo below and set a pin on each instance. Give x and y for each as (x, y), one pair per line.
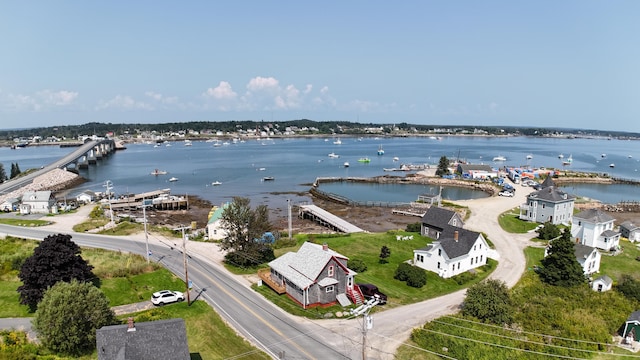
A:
(57, 98)
(161, 98)
(123, 103)
(221, 92)
(308, 89)
(260, 83)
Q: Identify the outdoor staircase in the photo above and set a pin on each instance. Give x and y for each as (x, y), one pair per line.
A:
(356, 295)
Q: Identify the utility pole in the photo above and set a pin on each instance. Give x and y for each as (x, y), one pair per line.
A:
(367, 321)
(109, 186)
(146, 203)
(186, 263)
(289, 213)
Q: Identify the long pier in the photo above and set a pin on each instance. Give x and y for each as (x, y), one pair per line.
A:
(327, 219)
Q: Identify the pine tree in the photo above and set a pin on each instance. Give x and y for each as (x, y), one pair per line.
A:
(443, 166)
(560, 267)
(385, 252)
(3, 174)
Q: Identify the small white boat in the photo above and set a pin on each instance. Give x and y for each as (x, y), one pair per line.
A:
(268, 178)
(157, 172)
(568, 161)
(499, 158)
(603, 155)
(612, 165)
(173, 179)
(560, 156)
(529, 157)
(346, 164)
(395, 158)
(216, 183)
(333, 155)
(261, 169)
(337, 141)
(380, 150)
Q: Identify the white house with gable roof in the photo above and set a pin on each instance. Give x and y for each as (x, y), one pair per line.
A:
(594, 227)
(456, 251)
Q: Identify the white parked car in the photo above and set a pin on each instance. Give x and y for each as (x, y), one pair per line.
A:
(166, 297)
(506, 193)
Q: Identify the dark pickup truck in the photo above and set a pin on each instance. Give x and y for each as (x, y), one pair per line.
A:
(370, 290)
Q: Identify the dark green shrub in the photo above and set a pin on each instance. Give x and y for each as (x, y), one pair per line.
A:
(417, 277)
(415, 227)
(357, 265)
(548, 231)
(402, 272)
(465, 277)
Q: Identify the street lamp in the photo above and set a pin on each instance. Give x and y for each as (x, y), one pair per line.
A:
(109, 185)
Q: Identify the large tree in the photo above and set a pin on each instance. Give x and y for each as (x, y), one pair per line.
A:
(69, 315)
(489, 301)
(560, 267)
(57, 258)
(244, 227)
(443, 166)
(15, 170)
(3, 174)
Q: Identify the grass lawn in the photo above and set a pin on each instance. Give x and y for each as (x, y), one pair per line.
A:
(623, 263)
(510, 222)
(23, 222)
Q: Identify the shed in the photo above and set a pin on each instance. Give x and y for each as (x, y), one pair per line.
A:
(631, 328)
(602, 283)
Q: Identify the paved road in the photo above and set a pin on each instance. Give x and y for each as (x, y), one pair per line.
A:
(274, 331)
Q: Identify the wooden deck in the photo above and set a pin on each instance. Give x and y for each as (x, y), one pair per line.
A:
(265, 275)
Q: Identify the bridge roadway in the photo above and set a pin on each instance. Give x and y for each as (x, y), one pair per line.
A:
(15, 184)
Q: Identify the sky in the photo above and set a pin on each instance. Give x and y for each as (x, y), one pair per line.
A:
(548, 63)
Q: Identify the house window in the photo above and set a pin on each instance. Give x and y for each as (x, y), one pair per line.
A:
(439, 252)
(474, 247)
(438, 264)
(458, 266)
(471, 261)
(480, 258)
(329, 288)
(330, 272)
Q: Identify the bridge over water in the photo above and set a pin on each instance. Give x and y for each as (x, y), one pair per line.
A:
(88, 153)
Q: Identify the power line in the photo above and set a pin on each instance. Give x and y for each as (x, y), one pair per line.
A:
(529, 341)
(529, 332)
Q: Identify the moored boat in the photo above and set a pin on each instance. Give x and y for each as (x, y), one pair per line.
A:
(380, 150)
(364, 160)
(173, 179)
(157, 172)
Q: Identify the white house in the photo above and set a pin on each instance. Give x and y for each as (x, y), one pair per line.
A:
(10, 204)
(602, 283)
(86, 197)
(630, 230)
(436, 219)
(457, 251)
(549, 204)
(214, 225)
(41, 202)
(588, 257)
(594, 228)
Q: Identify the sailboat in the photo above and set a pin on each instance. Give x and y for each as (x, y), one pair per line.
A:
(568, 160)
(380, 150)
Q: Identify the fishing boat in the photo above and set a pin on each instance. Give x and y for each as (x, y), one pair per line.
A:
(173, 179)
(216, 183)
(364, 160)
(499, 158)
(334, 155)
(380, 150)
(612, 165)
(157, 172)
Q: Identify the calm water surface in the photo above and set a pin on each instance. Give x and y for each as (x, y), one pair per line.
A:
(296, 163)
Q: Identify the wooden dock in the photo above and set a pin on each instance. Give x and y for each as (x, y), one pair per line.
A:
(327, 219)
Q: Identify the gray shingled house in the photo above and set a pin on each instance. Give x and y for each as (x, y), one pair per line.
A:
(314, 275)
(162, 339)
(630, 230)
(436, 219)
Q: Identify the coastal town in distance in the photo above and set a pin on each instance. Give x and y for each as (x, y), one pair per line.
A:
(423, 270)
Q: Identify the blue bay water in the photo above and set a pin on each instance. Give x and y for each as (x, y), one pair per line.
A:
(296, 162)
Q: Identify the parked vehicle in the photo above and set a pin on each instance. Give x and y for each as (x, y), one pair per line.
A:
(506, 193)
(369, 291)
(166, 297)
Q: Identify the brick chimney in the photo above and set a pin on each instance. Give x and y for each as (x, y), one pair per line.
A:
(455, 236)
(325, 247)
(130, 325)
